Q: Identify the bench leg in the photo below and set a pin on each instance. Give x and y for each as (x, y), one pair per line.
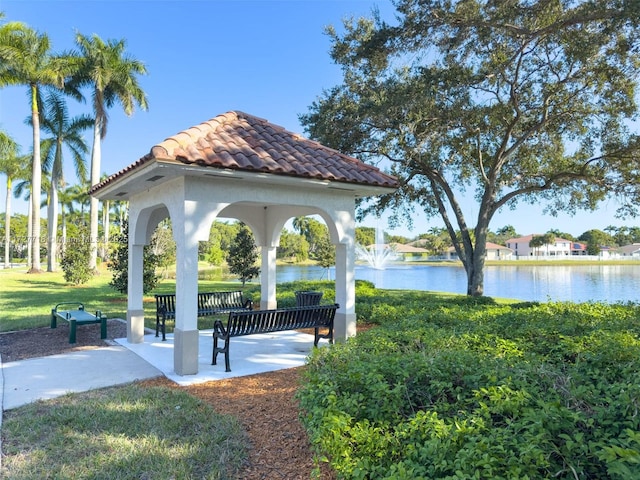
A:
(72, 331)
(227, 366)
(217, 350)
(214, 355)
(103, 327)
(54, 319)
(160, 325)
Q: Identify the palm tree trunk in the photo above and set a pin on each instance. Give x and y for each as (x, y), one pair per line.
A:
(52, 226)
(7, 226)
(36, 183)
(64, 230)
(29, 233)
(93, 205)
(105, 227)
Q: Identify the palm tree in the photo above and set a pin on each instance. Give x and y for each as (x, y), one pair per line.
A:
(26, 59)
(113, 78)
(13, 165)
(549, 238)
(24, 189)
(121, 209)
(65, 132)
(68, 197)
(536, 242)
(81, 196)
(301, 225)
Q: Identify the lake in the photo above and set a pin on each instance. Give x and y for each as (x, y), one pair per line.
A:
(579, 283)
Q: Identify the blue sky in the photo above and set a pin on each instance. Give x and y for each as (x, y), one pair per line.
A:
(264, 57)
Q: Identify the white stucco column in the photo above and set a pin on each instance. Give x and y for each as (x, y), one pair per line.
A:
(268, 278)
(186, 334)
(345, 321)
(135, 310)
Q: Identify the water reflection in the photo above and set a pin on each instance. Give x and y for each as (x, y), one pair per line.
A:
(580, 283)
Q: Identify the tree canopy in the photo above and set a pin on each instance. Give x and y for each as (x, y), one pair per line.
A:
(512, 102)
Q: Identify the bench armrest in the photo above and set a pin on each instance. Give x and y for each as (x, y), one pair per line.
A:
(78, 304)
(218, 329)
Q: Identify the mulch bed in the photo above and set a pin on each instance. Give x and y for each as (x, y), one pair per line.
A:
(264, 403)
(45, 341)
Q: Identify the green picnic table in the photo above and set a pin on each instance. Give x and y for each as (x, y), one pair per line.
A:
(78, 316)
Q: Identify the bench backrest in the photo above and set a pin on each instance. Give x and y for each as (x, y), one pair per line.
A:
(213, 300)
(265, 321)
(166, 304)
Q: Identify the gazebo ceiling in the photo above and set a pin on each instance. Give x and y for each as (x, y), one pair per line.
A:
(236, 145)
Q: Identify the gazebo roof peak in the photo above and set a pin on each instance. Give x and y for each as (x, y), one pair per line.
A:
(237, 141)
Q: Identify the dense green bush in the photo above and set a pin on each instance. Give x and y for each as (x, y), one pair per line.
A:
(460, 389)
(119, 263)
(75, 261)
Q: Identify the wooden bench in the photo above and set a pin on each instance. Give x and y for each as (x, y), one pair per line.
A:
(78, 316)
(268, 321)
(209, 303)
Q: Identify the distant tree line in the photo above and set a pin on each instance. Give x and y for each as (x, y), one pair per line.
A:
(309, 240)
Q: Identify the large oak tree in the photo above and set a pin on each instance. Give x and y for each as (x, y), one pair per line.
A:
(511, 101)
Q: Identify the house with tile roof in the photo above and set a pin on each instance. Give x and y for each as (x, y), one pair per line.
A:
(558, 249)
(242, 167)
(409, 253)
(494, 252)
(629, 251)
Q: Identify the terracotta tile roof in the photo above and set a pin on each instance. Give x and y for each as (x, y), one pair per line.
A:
(495, 246)
(238, 141)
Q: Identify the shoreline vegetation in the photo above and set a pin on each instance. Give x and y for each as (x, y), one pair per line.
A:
(528, 262)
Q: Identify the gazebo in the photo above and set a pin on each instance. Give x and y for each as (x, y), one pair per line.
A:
(242, 167)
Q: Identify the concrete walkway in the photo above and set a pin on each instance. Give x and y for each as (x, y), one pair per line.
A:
(44, 378)
(26, 381)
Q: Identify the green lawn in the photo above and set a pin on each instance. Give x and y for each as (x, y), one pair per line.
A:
(27, 299)
(128, 432)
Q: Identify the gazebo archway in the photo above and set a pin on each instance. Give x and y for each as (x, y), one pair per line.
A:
(238, 166)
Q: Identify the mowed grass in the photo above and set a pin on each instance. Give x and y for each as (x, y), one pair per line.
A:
(26, 299)
(129, 432)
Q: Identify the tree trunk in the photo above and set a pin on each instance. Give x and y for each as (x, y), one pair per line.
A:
(475, 260)
(52, 226)
(36, 184)
(475, 275)
(64, 230)
(7, 226)
(29, 233)
(93, 202)
(105, 229)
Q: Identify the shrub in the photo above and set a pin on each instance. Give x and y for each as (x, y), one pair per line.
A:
(478, 390)
(75, 261)
(119, 263)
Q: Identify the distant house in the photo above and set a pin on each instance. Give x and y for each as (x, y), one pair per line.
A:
(408, 253)
(494, 252)
(520, 246)
(578, 248)
(632, 251)
(610, 252)
(498, 252)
